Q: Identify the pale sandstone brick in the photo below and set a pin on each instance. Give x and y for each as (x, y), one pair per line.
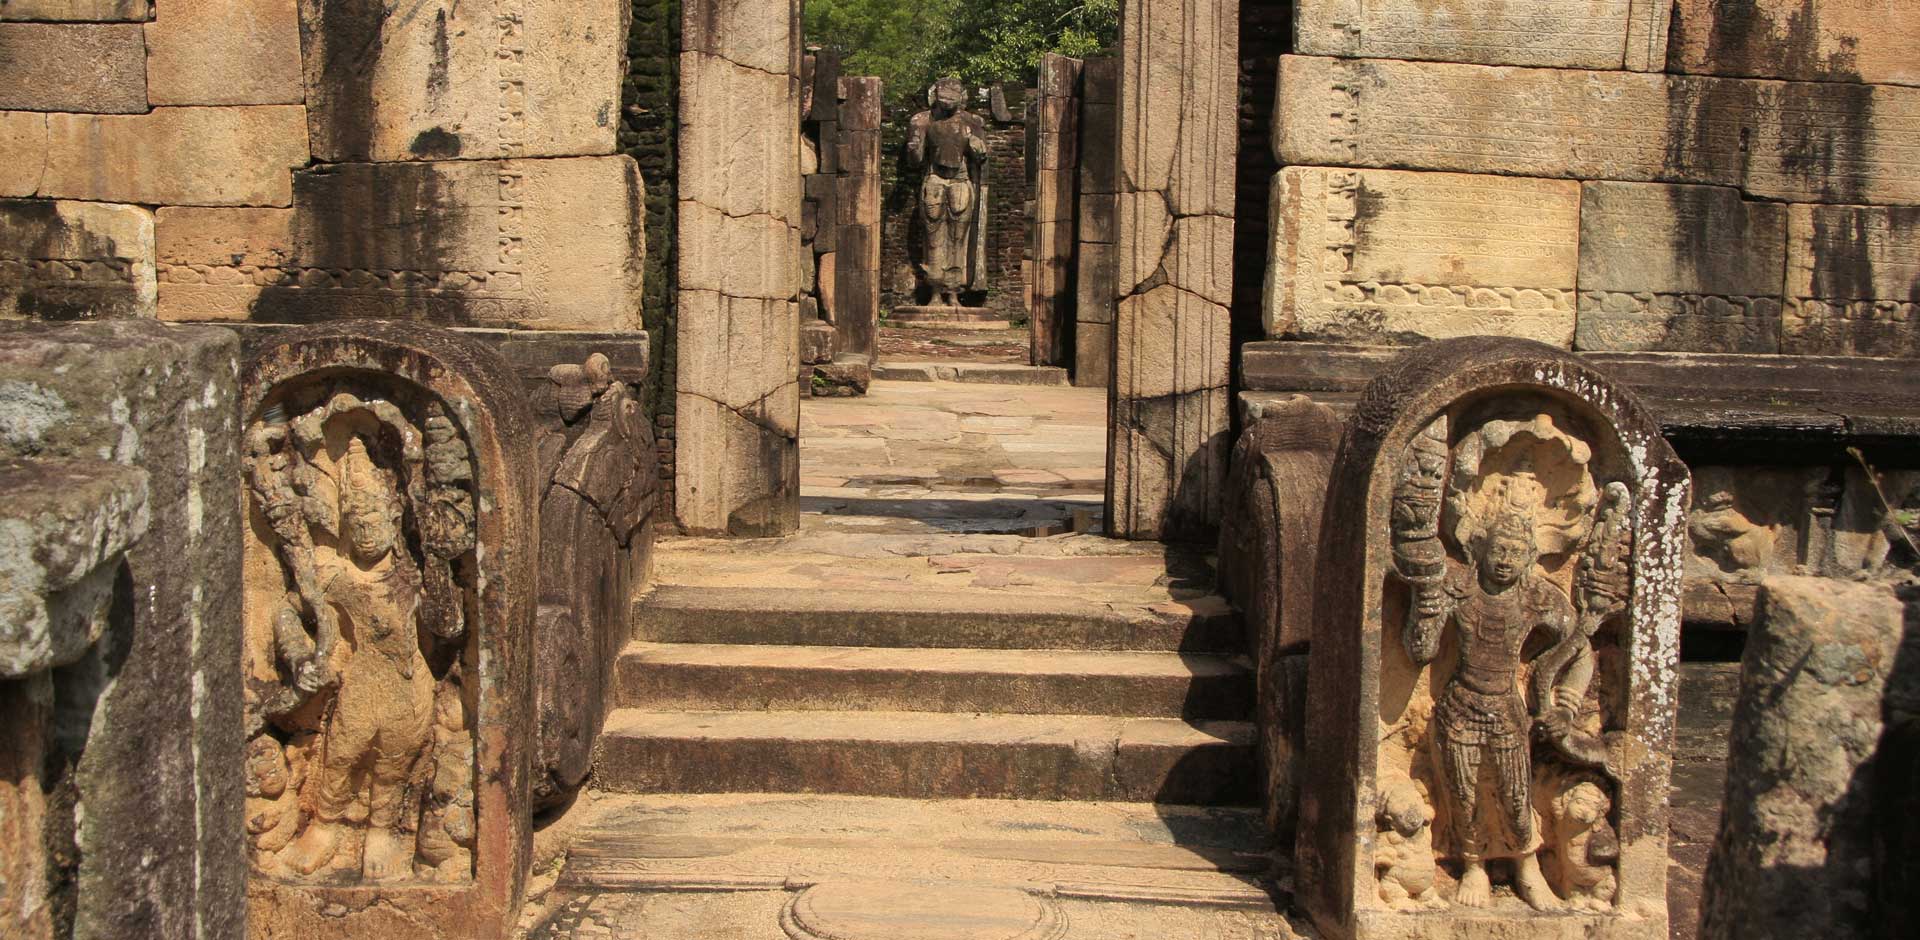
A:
(170, 156)
(89, 68)
(225, 52)
(1587, 34)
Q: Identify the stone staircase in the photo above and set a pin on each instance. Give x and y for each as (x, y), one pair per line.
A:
(883, 734)
(956, 694)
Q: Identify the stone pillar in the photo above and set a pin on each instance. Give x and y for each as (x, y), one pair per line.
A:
(857, 295)
(1094, 270)
(738, 401)
(1826, 719)
(1053, 158)
(1179, 131)
(145, 738)
(1504, 491)
(387, 770)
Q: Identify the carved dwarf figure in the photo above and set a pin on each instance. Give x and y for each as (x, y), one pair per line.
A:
(1481, 725)
(1735, 544)
(1582, 846)
(382, 716)
(951, 143)
(1403, 851)
(273, 798)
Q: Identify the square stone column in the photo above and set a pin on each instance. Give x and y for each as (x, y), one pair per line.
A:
(1178, 136)
(738, 404)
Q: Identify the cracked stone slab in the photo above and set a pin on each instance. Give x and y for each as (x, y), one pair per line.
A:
(1588, 34)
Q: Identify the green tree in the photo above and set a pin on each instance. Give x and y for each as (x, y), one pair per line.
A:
(909, 45)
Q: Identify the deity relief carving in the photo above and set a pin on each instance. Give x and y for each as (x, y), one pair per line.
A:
(361, 759)
(1514, 558)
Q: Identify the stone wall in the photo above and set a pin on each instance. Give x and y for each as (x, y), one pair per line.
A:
(1607, 175)
(650, 101)
(298, 160)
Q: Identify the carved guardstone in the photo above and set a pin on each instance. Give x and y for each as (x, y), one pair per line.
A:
(1491, 687)
(388, 611)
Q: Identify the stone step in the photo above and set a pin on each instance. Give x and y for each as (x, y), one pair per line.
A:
(969, 619)
(721, 677)
(980, 373)
(929, 755)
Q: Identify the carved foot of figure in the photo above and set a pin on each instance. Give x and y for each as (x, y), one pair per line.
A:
(1531, 885)
(389, 856)
(314, 849)
(1474, 889)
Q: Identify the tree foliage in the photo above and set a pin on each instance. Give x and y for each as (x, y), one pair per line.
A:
(910, 44)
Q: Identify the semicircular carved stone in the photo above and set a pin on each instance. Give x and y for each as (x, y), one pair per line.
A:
(387, 611)
(1491, 690)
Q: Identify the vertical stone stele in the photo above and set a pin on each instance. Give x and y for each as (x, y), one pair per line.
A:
(388, 601)
(1491, 690)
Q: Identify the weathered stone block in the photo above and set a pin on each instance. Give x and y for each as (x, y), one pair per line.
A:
(66, 525)
(92, 68)
(741, 123)
(1391, 256)
(75, 260)
(1853, 281)
(1570, 124)
(1679, 268)
(159, 850)
(225, 52)
(1583, 34)
(77, 11)
(474, 80)
(169, 156)
(412, 732)
(544, 244)
(1825, 685)
(1822, 41)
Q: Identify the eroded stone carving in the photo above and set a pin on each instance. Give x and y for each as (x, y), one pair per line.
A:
(369, 510)
(951, 143)
(1508, 704)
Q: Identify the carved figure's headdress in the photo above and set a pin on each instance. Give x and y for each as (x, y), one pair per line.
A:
(365, 485)
(1515, 513)
(933, 91)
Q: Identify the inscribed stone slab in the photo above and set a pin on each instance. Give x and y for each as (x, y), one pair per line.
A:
(1811, 40)
(1853, 281)
(77, 11)
(1796, 141)
(225, 52)
(169, 156)
(1679, 269)
(544, 244)
(445, 79)
(1393, 256)
(75, 260)
(91, 68)
(1589, 34)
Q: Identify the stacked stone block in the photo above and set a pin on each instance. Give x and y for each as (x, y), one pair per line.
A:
(293, 160)
(1607, 175)
(1053, 159)
(1174, 251)
(738, 411)
(1094, 273)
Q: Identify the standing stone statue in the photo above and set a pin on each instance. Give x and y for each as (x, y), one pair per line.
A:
(951, 143)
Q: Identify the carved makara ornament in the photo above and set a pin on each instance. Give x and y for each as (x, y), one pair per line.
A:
(1509, 581)
(361, 761)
